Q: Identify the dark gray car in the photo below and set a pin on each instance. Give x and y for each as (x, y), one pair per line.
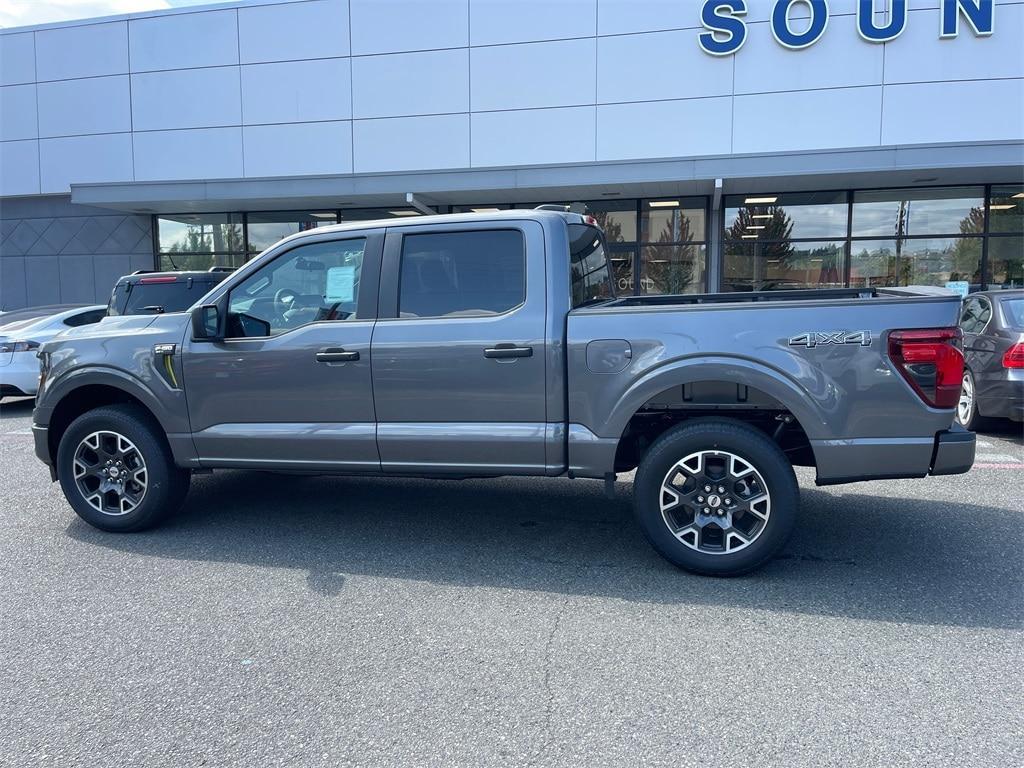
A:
(993, 386)
(479, 345)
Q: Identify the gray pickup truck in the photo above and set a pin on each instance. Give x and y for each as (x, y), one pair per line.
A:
(482, 345)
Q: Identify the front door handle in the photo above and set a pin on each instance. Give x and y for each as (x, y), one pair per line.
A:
(505, 351)
(335, 355)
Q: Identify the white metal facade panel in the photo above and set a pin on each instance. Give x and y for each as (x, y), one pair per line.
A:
(294, 91)
(411, 143)
(84, 159)
(91, 50)
(298, 149)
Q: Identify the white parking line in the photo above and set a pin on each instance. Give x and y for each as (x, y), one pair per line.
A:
(19, 432)
(1001, 458)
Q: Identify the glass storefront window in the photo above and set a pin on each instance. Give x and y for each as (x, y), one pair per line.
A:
(622, 271)
(1006, 209)
(783, 265)
(617, 219)
(805, 215)
(200, 262)
(679, 220)
(672, 268)
(200, 233)
(932, 211)
(265, 229)
(927, 261)
(1005, 262)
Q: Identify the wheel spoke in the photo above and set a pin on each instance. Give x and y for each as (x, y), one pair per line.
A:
(669, 498)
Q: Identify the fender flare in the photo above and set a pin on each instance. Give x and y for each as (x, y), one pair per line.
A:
(107, 377)
(773, 382)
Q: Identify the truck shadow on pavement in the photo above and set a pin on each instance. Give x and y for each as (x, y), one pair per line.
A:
(865, 557)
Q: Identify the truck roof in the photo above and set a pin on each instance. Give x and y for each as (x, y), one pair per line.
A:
(533, 214)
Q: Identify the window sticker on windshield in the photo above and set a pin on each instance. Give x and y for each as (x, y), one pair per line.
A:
(341, 283)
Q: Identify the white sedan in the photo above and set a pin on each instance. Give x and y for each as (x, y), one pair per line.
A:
(20, 341)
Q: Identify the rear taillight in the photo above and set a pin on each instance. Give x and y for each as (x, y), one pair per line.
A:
(1014, 356)
(931, 361)
(18, 346)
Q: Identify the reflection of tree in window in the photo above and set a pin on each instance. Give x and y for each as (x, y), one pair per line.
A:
(773, 246)
(672, 265)
(192, 251)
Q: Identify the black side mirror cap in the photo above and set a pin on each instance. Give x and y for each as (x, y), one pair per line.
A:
(206, 323)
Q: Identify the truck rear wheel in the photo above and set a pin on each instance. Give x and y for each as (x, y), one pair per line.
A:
(716, 497)
(116, 470)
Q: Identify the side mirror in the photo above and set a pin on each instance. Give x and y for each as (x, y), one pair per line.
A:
(206, 324)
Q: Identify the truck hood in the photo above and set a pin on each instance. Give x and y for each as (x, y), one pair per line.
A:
(106, 328)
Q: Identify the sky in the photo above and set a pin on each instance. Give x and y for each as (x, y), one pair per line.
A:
(18, 13)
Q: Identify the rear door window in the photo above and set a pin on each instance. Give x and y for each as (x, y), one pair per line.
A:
(462, 274)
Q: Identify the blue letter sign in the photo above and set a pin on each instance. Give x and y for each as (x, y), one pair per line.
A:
(780, 23)
(726, 29)
(980, 14)
(715, 17)
(866, 21)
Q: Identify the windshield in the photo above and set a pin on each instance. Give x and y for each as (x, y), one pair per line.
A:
(155, 298)
(1013, 309)
(591, 279)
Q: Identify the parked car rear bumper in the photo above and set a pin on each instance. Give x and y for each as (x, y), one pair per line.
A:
(1003, 397)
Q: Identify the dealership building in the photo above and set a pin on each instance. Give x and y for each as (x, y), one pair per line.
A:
(724, 146)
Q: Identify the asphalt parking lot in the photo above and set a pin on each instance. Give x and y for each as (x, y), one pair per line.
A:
(329, 621)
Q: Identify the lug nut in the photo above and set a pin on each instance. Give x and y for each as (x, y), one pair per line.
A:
(707, 511)
(721, 489)
(707, 488)
(728, 502)
(700, 499)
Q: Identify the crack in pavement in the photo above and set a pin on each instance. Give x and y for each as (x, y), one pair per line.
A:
(549, 694)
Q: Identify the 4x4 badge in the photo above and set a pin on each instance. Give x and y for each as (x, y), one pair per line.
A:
(813, 339)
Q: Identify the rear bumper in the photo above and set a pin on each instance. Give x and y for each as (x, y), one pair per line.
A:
(1001, 394)
(954, 451)
(949, 452)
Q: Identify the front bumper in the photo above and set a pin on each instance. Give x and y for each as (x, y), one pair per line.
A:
(954, 451)
(40, 436)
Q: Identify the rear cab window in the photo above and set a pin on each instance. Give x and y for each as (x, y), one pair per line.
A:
(156, 295)
(588, 264)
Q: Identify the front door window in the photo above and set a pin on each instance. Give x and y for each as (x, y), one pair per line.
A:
(312, 283)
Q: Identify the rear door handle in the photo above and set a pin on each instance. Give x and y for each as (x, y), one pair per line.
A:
(335, 355)
(505, 351)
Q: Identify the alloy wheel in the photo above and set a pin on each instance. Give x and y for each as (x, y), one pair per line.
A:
(110, 472)
(715, 502)
(965, 405)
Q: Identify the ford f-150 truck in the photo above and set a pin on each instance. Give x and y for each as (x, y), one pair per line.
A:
(481, 345)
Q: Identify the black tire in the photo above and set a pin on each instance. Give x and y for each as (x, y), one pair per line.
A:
(749, 445)
(166, 484)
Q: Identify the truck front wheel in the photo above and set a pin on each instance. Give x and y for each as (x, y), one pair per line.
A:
(716, 497)
(116, 470)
